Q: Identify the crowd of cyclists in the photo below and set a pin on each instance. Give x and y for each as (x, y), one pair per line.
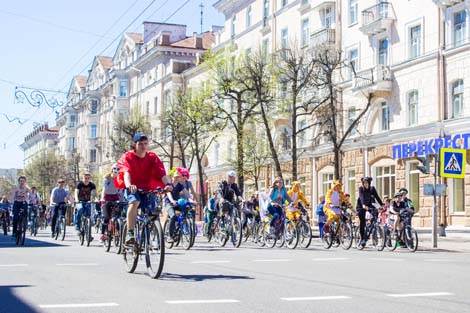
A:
(278, 215)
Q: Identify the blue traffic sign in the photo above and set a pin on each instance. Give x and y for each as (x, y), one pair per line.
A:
(452, 162)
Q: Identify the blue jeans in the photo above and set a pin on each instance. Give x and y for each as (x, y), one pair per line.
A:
(82, 207)
(17, 205)
(276, 212)
(57, 210)
(147, 200)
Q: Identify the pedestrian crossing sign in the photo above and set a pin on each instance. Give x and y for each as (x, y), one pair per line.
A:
(452, 162)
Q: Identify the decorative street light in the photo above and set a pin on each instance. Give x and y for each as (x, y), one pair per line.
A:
(36, 99)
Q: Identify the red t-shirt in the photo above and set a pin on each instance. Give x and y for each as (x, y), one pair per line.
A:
(146, 173)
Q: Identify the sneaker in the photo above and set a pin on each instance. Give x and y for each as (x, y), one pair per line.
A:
(363, 243)
(103, 238)
(130, 240)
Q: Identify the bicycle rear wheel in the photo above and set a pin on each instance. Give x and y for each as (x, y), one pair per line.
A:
(221, 235)
(411, 239)
(390, 239)
(57, 229)
(378, 238)
(186, 233)
(291, 235)
(166, 231)
(63, 227)
(269, 240)
(88, 231)
(328, 236)
(237, 232)
(346, 236)
(19, 231)
(259, 235)
(81, 235)
(305, 234)
(130, 253)
(155, 250)
(117, 236)
(193, 232)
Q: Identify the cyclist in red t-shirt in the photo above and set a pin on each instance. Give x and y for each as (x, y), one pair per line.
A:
(142, 170)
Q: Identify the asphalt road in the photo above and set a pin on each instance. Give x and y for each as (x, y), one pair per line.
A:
(50, 276)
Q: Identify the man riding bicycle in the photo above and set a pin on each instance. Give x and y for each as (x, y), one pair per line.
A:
(20, 196)
(34, 203)
(141, 169)
(59, 197)
(335, 197)
(84, 193)
(367, 197)
(228, 194)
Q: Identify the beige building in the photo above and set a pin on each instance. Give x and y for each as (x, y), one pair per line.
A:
(43, 139)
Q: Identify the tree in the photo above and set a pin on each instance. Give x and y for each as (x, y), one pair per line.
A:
(329, 113)
(230, 83)
(296, 78)
(7, 183)
(257, 155)
(259, 76)
(125, 129)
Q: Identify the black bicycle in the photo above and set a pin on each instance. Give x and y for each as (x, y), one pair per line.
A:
(85, 224)
(374, 231)
(21, 227)
(114, 230)
(61, 225)
(229, 227)
(407, 235)
(340, 232)
(149, 241)
(34, 219)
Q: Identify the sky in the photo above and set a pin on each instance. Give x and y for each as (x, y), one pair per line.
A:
(45, 43)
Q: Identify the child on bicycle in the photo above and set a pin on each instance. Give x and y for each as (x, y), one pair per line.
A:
(399, 206)
(332, 208)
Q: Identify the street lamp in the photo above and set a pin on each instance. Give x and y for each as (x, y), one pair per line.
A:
(36, 99)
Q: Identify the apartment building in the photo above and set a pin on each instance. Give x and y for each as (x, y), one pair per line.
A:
(42, 140)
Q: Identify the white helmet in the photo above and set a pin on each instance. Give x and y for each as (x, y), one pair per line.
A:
(231, 174)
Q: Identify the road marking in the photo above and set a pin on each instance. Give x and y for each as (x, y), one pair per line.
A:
(77, 264)
(385, 259)
(13, 265)
(316, 298)
(273, 260)
(78, 305)
(429, 294)
(439, 260)
(331, 259)
(209, 262)
(202, 301)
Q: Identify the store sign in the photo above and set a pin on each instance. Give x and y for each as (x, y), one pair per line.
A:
(431, 146)
(453, 163)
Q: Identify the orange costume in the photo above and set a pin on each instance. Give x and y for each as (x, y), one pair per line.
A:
(333, 201)
(292, 211)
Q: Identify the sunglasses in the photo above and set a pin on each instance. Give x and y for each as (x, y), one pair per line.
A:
(185, 175)
(116, 169)
(61, 182)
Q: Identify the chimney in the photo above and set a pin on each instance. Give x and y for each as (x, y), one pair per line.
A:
(197, 41)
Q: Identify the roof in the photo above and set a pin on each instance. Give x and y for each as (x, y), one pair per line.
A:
(208, 38)
(81, 80)
(138, 38)
(106, 62)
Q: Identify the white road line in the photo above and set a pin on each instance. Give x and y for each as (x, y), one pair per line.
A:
(331, 259)
(202, 301)
(77, 264)
(428, 294)
(79, 305)
(209, 262)
(273, 260)
(13, 265)
(439, 260)
(316, 298)
(385, 259)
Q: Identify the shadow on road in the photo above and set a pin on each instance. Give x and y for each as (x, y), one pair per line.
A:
(11, 303)
(198, 278)
(30, 242)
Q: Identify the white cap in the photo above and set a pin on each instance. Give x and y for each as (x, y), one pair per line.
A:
(231, 174)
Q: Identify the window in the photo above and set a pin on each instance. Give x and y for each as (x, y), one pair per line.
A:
(72, 121)
(460, 21)
(353, 11)
(216, 153)
(385, 180)
(147, 108)
(285, 139)
(93, 156)
(248, 16)
(283, 3)
(413, 108)
(326, 16)
(351, 119)
(351, 185)
(326, 180)
(284, 41)
(232, 26)
(302, 137)
(94, 106)
(93, 129)
(305, 32)
(457, 98)
(71, 143)
(457, 195)
(413, 184)
(383, 51)
(265, 47)
(384, 116)
(353, 57)
(265, 12)
(415, 41)
(155, 105)
(123, 88)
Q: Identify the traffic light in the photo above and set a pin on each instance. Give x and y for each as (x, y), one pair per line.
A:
(425, 161)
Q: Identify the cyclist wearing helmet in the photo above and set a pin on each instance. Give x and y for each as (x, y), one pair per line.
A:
(407, 200)
(228, 193)
(367, 197)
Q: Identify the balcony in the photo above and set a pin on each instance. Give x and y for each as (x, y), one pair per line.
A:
(326, 36)
(378, 78)
(377, 19)
(324, 4)
(446, 3)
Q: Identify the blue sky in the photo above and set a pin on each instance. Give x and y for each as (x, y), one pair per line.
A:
(43, 40)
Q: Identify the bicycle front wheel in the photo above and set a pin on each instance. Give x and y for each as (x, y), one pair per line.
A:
(186, 233)
(411, 239)
(346, 236)
(88, 231)
(221, 234)
(166, 230)
(63, 227)
(378, 238)
(130, 253)
(237, 232)
(155, 251)
(291, 235)
(390, 239)
(305, 234)
(268, 238)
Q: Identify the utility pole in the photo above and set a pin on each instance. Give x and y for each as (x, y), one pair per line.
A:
(202, 15)
(434, 212)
